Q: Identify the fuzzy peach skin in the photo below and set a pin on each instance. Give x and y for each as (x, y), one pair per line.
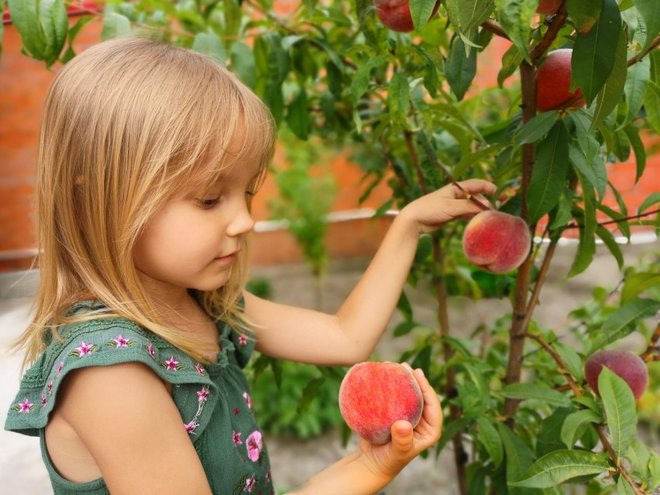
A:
(395, 14)
(496, 242)
(375, 395)
(626, 364)
(553, 82)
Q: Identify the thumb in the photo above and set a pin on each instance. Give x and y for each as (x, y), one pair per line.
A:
(402, 436)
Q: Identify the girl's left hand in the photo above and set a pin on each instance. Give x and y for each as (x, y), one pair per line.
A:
(432, 210)
(385, 461)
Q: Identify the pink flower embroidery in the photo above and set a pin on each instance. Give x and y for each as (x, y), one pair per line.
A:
(191, 427)
(151, 351)
(121, 341)
(242, 340)
(249, 484)
(84, 349)
(44, 400)
(50, 387)
(25, 406)
(172, 364)
(203, 394)
(200, 369)
(235, 411)
(237, 438)
(59, 367)
(248, 399)
(253, 444)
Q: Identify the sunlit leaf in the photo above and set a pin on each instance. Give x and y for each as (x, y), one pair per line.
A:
(620, 410)
(562, 465)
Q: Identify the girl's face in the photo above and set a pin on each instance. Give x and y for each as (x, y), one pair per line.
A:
(193, 241)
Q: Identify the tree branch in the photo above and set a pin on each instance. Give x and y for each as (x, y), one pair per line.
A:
(550, 35)
(654, 44)
(611, 222)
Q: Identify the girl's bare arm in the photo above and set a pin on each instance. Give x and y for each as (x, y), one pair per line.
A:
(351, 334)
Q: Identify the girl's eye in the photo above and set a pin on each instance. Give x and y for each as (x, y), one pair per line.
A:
(207, 203)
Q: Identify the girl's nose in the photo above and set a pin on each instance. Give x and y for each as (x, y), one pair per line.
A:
(241, 223)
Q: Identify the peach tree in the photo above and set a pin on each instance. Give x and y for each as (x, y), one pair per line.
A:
(394, 80)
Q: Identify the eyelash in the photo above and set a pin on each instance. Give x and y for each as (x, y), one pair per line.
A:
(208, 203)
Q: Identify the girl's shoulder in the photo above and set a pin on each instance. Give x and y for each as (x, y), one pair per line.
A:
(99, 341)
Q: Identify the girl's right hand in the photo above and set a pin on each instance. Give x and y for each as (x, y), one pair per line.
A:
(407, 442)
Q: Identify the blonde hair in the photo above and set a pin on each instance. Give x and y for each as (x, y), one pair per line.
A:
(127, 124)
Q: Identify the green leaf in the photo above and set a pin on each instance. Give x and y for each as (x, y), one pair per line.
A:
(24, 16)
(592, 59)
(510, 62)
(398, 98)
(572, 428)
(210, 44)
(459, 68)
(421, 11)
(54, 25)
(468, 15)
(584, 13)
(309, 393)
(243, 63)
(549, 173)
(620, 411)
(638, 149)
(637, 283)
(530, 391)
(515, 17)
(519, 457)
(115, 25)
(652, 98)
(651, 15)
(490, 439)
(536, 128)
(623, 487)
(653, 198)
(571, 359)
(562, 465)
(362, 77)
(637, 80)
(610, 96)
(297, 116)
(609, 241)
(621, 323)
(587, 245)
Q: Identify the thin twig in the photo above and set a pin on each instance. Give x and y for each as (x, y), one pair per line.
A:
(654, 44)
(550, 35)
(563, 369)
(652, 352)
(611, 222)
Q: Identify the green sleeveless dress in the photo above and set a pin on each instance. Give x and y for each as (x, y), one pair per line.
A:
(214, 400)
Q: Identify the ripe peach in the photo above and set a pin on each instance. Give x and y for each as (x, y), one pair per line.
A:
(626, 364)
(553, 82)
(548, 7)
(496, 242)
(374, 395)
(395, 14)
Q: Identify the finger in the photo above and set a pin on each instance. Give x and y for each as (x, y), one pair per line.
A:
(402, 436)
(432, 412)
(469, 187)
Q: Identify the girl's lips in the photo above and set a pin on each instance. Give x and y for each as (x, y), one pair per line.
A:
(227, 259)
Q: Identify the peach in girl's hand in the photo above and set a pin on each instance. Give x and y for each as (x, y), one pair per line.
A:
(375, 395)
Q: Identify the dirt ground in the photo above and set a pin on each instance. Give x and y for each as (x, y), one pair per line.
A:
(21, 470)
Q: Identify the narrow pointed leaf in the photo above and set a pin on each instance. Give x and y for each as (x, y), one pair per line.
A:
(651, 15)
(621, 322)
(530, 391)
(637, 81)
(610, 96)
(549, 173)
(592, 59)
(459, 68)
(562, 465)
(536, 128)
(490, 439)
(587, 246)
(571, 430)
(421, 11)
(638, 149)
(620, 411)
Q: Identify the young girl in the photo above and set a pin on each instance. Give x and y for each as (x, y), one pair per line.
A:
(149, 157)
